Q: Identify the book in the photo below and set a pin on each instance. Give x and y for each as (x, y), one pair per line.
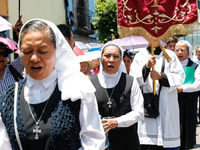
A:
(189, 73)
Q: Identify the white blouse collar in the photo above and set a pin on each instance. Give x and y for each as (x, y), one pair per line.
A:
(45, 82)
(38, 91)
(109, 80)
(184, 62)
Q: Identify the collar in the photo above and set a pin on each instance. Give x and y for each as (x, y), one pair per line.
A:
(109, 80)
(106, 75)
(45, 82)
(184, 62)
(157, 50)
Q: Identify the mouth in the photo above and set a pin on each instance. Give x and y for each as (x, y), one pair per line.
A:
(180, 56)
(36, 68)
(110, 66)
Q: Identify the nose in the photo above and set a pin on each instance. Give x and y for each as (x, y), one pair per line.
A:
(111, 59)
(34, 57)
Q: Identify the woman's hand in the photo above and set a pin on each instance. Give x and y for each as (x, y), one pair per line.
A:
(109, 124)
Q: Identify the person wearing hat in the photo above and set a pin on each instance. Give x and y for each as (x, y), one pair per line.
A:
(8, 73)
(86, 65)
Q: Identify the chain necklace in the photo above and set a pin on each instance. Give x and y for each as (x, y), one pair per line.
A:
(37, 129)
(109, 98)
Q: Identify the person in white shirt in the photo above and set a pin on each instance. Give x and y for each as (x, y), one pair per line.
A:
(187, 95)
(55, 106)
(197, 60)
(196, 57)
(120, 101)
(162, 132)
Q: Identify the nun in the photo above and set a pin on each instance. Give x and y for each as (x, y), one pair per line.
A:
(54, 108)
(120, 102)
(187, 95)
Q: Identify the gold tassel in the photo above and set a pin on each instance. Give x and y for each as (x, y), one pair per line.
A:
(167, 57)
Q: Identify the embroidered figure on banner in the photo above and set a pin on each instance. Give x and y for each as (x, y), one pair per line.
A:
(156, 18)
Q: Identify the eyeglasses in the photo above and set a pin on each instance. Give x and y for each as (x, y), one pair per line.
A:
(182, 50)
(4, 54)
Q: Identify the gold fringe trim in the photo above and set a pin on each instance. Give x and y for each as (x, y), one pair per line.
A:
(180, 29)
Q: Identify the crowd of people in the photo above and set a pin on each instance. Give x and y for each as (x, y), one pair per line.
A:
(52, 99)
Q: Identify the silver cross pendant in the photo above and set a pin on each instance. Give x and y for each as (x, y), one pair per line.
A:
(36, 131)
(109, 103)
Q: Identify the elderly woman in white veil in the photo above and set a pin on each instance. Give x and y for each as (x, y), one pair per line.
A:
(55, 107)
(187, 95)
(119, 98)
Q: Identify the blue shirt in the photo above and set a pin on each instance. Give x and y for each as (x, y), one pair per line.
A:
(8, 78)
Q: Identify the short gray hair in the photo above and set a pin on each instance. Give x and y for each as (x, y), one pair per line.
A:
(188, 45)
(38, 25)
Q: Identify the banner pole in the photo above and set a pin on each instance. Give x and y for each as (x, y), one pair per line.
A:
(154, 84)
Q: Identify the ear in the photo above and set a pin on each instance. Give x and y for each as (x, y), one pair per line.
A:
(67, 38)
(8, 60)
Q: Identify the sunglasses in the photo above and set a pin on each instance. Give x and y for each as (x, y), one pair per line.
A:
(4, 54)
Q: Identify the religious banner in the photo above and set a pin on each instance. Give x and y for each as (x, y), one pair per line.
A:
(156, 18)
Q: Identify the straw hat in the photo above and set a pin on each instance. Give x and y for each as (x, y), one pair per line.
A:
(84, 58)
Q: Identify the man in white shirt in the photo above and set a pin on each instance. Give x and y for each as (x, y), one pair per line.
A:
(163, 131)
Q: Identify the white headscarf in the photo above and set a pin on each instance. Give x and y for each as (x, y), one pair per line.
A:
(71, 82)
(110, 80)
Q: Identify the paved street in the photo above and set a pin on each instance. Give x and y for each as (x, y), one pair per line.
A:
(197, 146)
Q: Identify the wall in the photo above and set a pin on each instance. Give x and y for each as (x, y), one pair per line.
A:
(52, 10)
(4, 8)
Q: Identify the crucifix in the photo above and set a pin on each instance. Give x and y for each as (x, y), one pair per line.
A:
(109, 103)
(36, 131)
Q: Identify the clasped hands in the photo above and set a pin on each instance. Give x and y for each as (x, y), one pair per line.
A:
(154, 74)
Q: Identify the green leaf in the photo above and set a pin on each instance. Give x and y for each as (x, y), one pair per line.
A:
(105, 20)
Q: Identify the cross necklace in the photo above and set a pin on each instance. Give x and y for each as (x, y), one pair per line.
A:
(37, 129)
(109, 98)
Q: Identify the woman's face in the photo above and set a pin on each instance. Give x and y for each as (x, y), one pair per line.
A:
(127, 62)
(181, 51)
(111, 59)
(96, 63)
(38, 54)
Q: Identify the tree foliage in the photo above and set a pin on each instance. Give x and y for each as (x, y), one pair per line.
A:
(106, 20)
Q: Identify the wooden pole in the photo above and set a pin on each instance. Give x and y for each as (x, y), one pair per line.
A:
(154, 84)
(19, 9)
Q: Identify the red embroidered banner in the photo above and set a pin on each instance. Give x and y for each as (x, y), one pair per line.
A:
(156, 16)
